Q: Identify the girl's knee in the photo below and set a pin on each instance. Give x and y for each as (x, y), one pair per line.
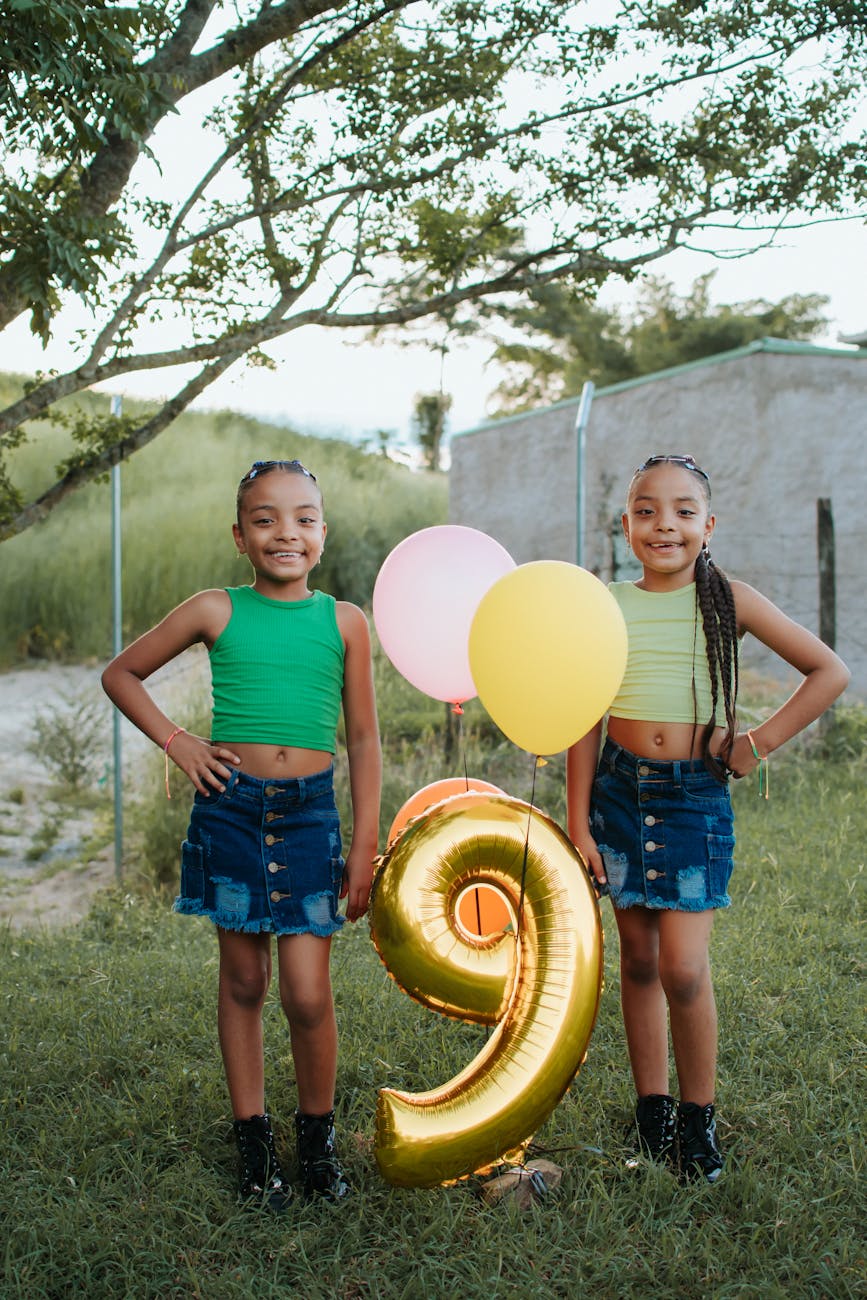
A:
(684, 981)
(639, 967)
(307, 1009)
(246, 986)
(245, 968)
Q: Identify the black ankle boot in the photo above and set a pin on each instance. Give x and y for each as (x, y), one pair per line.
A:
(699, 1155)
(656, 1125)
(262, 1179)
(317, 1155)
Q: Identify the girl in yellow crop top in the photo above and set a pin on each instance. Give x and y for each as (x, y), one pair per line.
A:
(263, 851)
(651, 816)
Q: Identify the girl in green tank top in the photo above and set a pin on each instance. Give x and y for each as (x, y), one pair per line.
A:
(263, 852)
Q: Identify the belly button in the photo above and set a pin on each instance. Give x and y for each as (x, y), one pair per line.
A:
(658, 740)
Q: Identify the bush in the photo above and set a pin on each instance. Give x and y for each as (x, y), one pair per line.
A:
(70, 740)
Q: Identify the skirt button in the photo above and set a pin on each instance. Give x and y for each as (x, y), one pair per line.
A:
(644, 771)
(651, 875)
(270, 790)
(650, 845)
(273, 866)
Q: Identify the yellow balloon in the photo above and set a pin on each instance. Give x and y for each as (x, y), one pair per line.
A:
(547, 652)
(540, 987)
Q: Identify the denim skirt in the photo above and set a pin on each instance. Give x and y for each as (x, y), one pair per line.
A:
(665, 832)
(265, 856)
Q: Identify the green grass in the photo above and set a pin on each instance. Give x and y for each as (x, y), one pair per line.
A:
(118, 1171)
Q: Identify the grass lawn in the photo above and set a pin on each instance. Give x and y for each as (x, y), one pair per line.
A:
(118, 1169)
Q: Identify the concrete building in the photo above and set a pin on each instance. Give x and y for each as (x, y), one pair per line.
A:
(779, 426)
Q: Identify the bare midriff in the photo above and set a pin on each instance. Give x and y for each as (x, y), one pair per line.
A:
(278, 762)
(667, 741)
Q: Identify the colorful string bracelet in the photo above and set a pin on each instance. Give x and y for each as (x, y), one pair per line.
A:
(764, 787)
(177, 731)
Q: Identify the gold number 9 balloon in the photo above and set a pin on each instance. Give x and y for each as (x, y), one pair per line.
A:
(541, 986)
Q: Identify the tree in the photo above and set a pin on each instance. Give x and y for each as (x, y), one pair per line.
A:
(382, 164)
(572, 340)
(429, 425)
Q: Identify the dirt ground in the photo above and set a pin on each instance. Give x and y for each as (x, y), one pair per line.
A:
(56, 856)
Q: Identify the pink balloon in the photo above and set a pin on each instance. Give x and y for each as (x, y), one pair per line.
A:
(426, 594)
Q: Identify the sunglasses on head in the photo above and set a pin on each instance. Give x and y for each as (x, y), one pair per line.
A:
(686, 461)
(260, 467)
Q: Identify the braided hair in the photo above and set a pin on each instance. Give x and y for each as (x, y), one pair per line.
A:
(715, 602)
(261, 467)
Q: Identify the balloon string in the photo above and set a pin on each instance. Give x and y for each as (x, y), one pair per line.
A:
(462, 747)
(536, 765)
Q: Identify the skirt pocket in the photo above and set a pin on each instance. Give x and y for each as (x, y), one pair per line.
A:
(192, 874)
(720, 853)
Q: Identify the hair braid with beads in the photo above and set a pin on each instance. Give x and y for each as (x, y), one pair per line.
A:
(715, 602)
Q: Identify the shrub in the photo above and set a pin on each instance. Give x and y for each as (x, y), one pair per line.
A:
(69, 738)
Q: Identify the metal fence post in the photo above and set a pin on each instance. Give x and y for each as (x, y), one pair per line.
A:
(117, 646)
(581, 421)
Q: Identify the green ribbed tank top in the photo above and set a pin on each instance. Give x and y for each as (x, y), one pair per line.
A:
(277, 672)
(667, 651)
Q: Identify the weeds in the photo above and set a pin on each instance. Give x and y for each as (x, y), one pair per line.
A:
(70, 739)
(43, 841)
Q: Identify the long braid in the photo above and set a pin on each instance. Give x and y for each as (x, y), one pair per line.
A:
(715, 601)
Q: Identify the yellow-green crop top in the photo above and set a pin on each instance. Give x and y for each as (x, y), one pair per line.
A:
(666, 652)
(277, 671)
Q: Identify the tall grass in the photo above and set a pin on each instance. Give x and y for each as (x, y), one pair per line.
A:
(117, 1169)
(178, 498)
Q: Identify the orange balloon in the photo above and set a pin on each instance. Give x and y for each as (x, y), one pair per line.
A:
(482, 911)
(425, 798)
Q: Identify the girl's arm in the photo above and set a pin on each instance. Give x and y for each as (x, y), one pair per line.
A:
(201, 618)
(825, 675)
(581, 760)
(365, 758)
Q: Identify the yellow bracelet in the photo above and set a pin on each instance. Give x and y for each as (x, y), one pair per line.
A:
(764, 787)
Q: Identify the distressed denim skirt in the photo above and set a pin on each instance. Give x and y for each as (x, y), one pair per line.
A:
(265, 856)
(665, 832)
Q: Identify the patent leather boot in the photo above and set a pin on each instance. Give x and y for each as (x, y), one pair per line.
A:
(263, 1182)
(699, 1155)
(656, 1127)
(321, 1172)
